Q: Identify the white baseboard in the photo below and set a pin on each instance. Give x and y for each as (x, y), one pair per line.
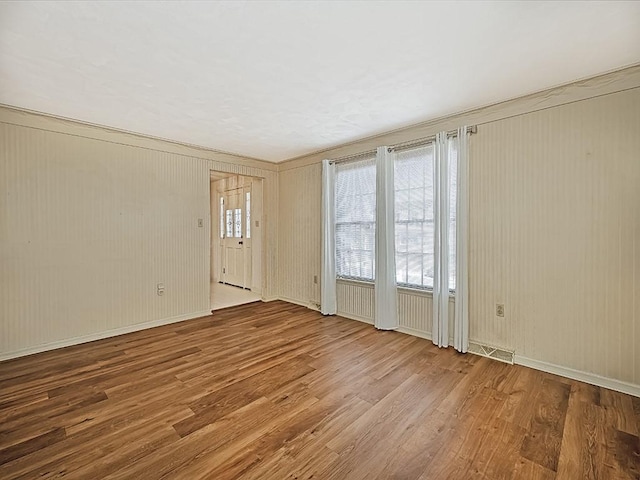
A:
(294, 301)
(592, 378)
(312, 305)
(100, 335)
(350, 316)
(414, 332)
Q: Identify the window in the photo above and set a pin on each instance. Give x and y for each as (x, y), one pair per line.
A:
(356, 219)
(453, 189)
(248, 213)
(414, 209)
(414, 216)
(414, 219)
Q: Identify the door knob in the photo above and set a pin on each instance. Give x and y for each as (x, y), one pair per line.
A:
(240, 242)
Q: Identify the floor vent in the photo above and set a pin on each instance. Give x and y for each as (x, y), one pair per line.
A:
(496, 353)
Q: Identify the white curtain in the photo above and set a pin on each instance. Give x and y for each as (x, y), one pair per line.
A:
(386, 302)
(461, 330)
(440, 331)
(328, 304)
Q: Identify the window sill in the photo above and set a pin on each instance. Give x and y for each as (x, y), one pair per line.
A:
(420, 292)
(401, 288)
(351, 281)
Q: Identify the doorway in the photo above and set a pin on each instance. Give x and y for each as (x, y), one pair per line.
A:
(236, 239)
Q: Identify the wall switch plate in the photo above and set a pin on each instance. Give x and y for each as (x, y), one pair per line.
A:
(160, 289)
(200, 223)
(500, 309)
(315, 279)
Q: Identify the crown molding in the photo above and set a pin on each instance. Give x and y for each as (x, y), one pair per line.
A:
(606, 84)
(52, 123)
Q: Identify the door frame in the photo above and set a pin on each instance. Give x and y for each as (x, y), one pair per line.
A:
(258, 230)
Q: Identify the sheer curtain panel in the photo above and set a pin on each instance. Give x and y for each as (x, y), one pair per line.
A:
(461, 325)
(440, 329)
(328, 303)
(386, 297)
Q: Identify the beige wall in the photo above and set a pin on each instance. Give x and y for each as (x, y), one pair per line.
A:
(299, 234)
(91, 220)
(555, 231)
(555, 235)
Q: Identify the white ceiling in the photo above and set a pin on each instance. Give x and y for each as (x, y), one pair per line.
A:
(276, 80)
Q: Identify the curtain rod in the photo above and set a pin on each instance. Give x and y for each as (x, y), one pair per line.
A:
(355, 157)
(427, 140)
(401, 146)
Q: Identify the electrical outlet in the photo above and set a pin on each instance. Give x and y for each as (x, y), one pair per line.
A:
(200, 223)
(315, 279)
(500, 309)
(160, 289)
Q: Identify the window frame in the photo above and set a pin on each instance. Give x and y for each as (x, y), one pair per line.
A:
(366, 163)
(452, 209)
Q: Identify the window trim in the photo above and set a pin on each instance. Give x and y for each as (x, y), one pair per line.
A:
(368, 162)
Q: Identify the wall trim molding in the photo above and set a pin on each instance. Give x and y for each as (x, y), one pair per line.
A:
(270, 298)
(581, 89)
(101, 335)
(298, 302)
(591, 378)
(357, 318)
(415, 333)
(23, 117)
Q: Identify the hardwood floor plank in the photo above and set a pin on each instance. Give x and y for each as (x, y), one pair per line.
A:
(619, 408)
(272, 391)
(45, 417)
(471, 443)
(388, 424)
(79, 448)
(583, 450)
(542, 443)
(531, 471)
(636, 410)
(115, 374)
(26, 447)
(623, 454)
(215, 405)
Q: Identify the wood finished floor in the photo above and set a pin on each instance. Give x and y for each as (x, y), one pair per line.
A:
(276, 391)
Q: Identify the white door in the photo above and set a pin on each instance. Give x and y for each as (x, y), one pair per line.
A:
(236, 244)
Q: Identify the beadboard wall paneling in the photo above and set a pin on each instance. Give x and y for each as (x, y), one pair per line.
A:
(415, 311)
(300, 234)
(356, 300)
(555, 235)
(89, 227)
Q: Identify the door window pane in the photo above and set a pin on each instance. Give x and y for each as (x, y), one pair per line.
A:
(221, 217)
(248, 213)
(229, 220)
(237, 223)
